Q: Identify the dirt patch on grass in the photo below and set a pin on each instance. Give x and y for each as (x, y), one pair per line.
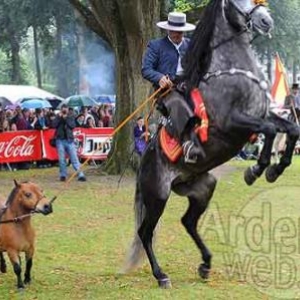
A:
(223, 170)
(49, 179)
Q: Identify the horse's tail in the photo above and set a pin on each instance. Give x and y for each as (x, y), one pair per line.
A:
(136, 253)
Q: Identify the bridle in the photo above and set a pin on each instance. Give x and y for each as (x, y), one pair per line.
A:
(262, 83)
(247, 16)
(19, 218)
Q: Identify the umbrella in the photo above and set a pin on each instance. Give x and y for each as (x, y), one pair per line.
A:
(79, 100)
(106, 99)
(35, 103)
(11, 106)
(4, 102)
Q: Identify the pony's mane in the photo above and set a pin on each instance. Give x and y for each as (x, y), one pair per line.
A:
(198, 56)
(13, 194)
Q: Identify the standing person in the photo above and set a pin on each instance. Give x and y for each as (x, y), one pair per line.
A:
(90, 123)
(94, 113)
(162, 66)
(140, 134)
(22, 119)
(64, 124)
(292, 101)
(86, 114)
(2, 118)
(40, 121)
(22, 122)
(79, 120)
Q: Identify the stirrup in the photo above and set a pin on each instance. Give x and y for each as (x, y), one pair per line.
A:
(187, 146)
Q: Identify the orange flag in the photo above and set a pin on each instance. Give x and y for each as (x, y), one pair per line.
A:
(280, 88)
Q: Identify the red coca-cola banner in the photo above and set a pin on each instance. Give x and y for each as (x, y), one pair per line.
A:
(20, 146)
(49, 152)
(35, 145)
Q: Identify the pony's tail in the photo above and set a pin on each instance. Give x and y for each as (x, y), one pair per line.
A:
(136, 253)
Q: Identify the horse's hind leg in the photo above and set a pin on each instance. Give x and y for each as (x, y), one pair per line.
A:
(2, 263)
(28, 256)
(199, 192)
(152, 215)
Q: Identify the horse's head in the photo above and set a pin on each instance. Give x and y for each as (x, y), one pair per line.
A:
(30, 197)
(256, 14)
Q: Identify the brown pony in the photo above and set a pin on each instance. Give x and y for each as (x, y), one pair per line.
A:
(16, 232)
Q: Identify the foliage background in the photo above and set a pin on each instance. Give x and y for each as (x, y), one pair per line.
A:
(57, 38)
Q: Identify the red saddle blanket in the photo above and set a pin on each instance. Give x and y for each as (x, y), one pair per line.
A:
(171, 146)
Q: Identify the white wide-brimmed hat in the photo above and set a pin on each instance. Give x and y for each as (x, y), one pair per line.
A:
(176, 22)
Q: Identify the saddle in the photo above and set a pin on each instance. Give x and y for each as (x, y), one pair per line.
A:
(170, 145)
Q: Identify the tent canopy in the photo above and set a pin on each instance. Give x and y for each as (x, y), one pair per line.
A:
(15, 92)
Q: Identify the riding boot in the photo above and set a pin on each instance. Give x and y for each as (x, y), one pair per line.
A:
(192, 149)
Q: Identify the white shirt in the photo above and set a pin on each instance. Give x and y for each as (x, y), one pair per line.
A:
(179, 70)
(297, 101)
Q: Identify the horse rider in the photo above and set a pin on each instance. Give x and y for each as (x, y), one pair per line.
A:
(292, 101)
(162, 66)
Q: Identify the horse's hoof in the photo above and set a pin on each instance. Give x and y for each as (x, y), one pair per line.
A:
(27, 281)
(271, 173)
(249, 176)
(203, 271)
(164, 283)
(21, 288)
(3, 269)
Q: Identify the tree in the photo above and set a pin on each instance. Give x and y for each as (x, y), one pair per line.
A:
(126, 26)
(13, 28)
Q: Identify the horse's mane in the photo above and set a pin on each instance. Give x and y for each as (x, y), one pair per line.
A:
(198, 56)
(12, 194)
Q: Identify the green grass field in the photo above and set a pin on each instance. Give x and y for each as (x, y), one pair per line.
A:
(81, 247)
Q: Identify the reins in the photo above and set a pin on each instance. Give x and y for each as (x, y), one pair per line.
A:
(230, 38)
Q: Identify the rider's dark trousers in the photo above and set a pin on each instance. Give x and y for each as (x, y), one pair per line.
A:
(180, 114)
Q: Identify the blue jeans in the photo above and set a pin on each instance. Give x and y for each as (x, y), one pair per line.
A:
(67, 147)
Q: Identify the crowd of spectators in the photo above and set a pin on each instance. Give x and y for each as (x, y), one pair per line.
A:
(25, 119)
(40, 119)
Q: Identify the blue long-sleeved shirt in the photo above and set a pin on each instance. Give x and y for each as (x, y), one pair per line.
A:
(161, 58)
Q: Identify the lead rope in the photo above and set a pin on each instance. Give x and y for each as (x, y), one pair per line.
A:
(117, 129)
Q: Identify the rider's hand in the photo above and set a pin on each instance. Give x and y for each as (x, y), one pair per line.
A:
(165, 82)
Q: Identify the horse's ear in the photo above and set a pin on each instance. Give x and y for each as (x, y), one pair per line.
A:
(16, 183)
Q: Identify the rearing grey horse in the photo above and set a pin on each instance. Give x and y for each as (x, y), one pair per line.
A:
(221, 62)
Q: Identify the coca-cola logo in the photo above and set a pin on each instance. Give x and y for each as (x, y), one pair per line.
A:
(18, 146)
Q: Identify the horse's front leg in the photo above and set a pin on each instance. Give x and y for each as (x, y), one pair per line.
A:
(292, 131)
(2, 263)
(28, 256)
(246, 124)
(16, 262)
